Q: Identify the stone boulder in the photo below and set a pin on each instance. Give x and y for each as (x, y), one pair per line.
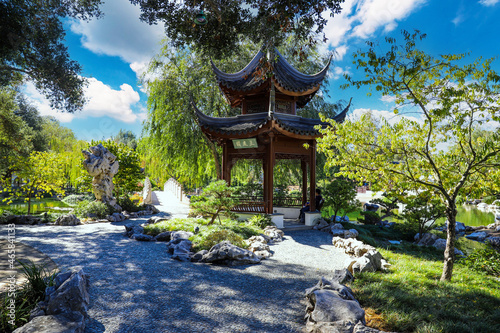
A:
(342, 276)
(260, 239)
(180, 249)
(157, 218)
(336, 218)
(332, 308)
(198, 255)
(479, 236)
(69, 220)
(142, 237)
(275, 234)
(352, 246)
(229, 254)
(181, 235)
(73, 322)
(102, 165)
(132, 229)
(427, 239)
(440, 244)
(22, 219)
(164, 236)
(261, 249)
(116, 217)
(65, 306)
(321, 224)
(460, 228)
(494, 241)
(371, 261)
(328, 306)
(366, 257)
(337, 226)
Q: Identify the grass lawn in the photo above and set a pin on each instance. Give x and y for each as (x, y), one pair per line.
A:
(410, 297)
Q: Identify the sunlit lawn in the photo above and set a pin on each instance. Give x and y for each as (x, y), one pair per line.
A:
(410, 298)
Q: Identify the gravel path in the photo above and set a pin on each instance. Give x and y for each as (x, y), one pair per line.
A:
(137, 287)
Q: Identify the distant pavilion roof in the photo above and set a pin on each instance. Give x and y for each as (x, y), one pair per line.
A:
(246, 124)
(287, 79)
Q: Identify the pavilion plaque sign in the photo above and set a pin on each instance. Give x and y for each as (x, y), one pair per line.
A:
(245, 143)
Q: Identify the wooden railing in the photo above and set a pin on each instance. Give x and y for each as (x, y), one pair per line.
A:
(255, 204)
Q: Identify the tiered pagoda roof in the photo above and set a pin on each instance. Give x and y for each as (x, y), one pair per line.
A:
(246, 124)
(288, 85)
(286, 79)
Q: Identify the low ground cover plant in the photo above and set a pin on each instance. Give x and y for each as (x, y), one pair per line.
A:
(75, 199)
(92, 209)
(206, 234)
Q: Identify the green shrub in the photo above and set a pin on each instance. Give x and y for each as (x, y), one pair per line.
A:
(216, 236)
(197, 198)
(127, 204)
(261, 220)
(86, 209)
(485, 260)
(369, 218)
(489, 200)
(74, 199)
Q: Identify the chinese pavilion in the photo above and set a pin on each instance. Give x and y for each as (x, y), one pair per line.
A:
(268, 128)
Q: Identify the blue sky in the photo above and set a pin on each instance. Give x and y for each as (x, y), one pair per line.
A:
(115, 50)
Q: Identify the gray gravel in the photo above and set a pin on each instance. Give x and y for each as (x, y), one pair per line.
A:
(137, 287)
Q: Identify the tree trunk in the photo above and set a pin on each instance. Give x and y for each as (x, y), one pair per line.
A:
(449, 252)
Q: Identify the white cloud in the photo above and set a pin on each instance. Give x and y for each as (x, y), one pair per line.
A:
(362, 18)
(458, 19)
(102, 101)
(390, 116)
(388, 98)
(120, 33)
(488, 3)
(340, 52)
(337, 72)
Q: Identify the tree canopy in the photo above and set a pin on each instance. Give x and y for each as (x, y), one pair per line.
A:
(435, 152)
(31, 44)
(230, 21)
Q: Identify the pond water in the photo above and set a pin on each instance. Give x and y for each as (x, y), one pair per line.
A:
(471, 216)
(48, 205)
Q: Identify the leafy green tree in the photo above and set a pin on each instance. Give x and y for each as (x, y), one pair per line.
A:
(32, 45)
(218, 200)
(453, 99)
(388, 202)
(40, 173)
(32, 118)
(422, 211)
(229, 22)
(127, 138)
(15, 134)
(129, 173)
(340, 195)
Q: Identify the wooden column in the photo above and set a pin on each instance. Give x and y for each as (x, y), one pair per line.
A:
(226, 163)
(312, 172)
(269, 180)
(266, 182)
(303, 166)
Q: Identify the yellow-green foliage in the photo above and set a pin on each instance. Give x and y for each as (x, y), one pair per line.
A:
(216, 236)
(39, 173)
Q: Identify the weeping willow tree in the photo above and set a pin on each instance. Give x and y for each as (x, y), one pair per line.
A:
(172, 144)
